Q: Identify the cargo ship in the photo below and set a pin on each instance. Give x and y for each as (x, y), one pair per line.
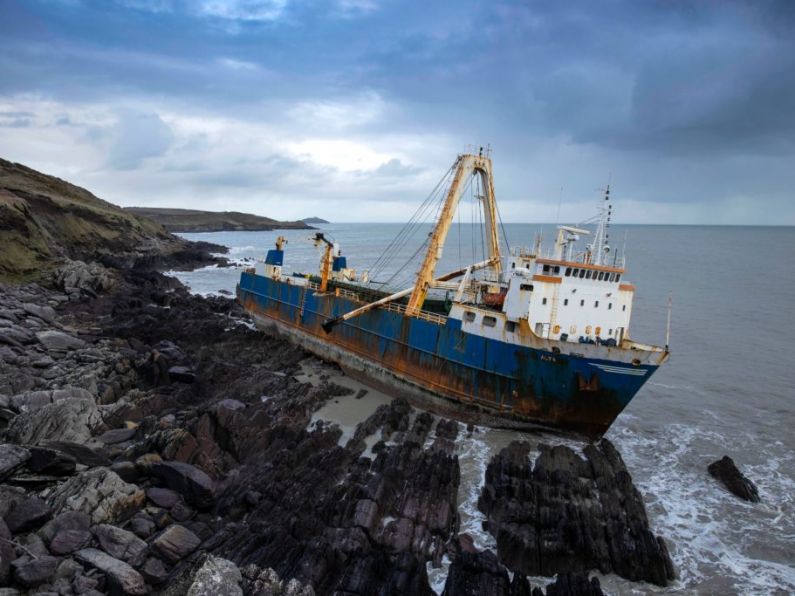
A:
(520, 340)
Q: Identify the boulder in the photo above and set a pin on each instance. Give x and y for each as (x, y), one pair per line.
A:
(121, 544)
(27, 514)
(67, 420)
(12, 457)
(175, 542)
(100, 493)
(191, 482)
(726, 471)
(216, 577)
(121, 577)
(33, 572)
(58, 341)
(68, 520)
(66, 542)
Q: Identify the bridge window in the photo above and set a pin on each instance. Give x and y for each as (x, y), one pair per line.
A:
(582, 273)
(557, 268)
(618, 277)
(543, 301)
(469, 316)
(510, 326)
(588, 274)
(489, 321)
(568, 271)
(601, 275)
(526, 287)
(612, 277)
(546, 268)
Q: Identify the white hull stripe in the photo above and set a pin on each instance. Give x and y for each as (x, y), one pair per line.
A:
(638, 372)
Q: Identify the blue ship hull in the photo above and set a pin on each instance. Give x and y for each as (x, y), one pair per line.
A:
(498, 383)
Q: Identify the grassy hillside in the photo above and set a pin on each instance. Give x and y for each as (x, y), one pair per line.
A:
(190, 220)
(44, 219)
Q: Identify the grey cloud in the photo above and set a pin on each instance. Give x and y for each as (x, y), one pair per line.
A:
(136, 137)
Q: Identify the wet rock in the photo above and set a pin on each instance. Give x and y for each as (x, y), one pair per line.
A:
(99, 493)
(66, 420)
(66, 542)
(121, 544)
(571, 514)
(163, 497)
(34, 572)
(574, 584)
(217, 577)
(154, 571)
(120, 575)
(192, 483)
(726, 471)
(481, 573)
(12, 457)
(50, 461)
(175, 542)
(58, 341)
(27, 514)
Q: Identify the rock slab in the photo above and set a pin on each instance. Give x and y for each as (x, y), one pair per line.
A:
(726, 471)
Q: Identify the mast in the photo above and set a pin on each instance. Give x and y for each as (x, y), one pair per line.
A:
(467, 164)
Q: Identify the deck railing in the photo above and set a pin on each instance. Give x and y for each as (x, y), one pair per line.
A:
(390, 306)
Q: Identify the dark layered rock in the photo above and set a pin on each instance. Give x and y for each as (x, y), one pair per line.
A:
(12, 457)
(727, 473)
(27, 514)
(191, 482)
(121, 544)
(566, 513)
(31, 572)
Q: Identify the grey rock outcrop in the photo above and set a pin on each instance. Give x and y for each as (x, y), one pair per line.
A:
(67, 420)
(217, 577)
(100, 493)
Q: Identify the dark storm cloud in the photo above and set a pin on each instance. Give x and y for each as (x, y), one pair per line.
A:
(688, 101)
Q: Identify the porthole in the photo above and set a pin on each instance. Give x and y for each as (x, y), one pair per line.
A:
(469, 316)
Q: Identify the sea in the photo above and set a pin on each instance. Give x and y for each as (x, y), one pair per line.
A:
(728, 388)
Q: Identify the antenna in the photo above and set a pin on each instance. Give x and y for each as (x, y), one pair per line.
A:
(668, 324)
(560, 200)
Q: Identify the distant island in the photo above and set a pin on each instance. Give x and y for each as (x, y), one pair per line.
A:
(314, 220)
(191, 220)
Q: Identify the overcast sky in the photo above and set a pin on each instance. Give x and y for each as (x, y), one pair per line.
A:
(353, 109)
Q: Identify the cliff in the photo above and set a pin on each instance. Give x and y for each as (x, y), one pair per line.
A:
(45, 220)
(190, 220)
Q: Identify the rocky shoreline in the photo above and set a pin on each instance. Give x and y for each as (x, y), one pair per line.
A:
(152, 442)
